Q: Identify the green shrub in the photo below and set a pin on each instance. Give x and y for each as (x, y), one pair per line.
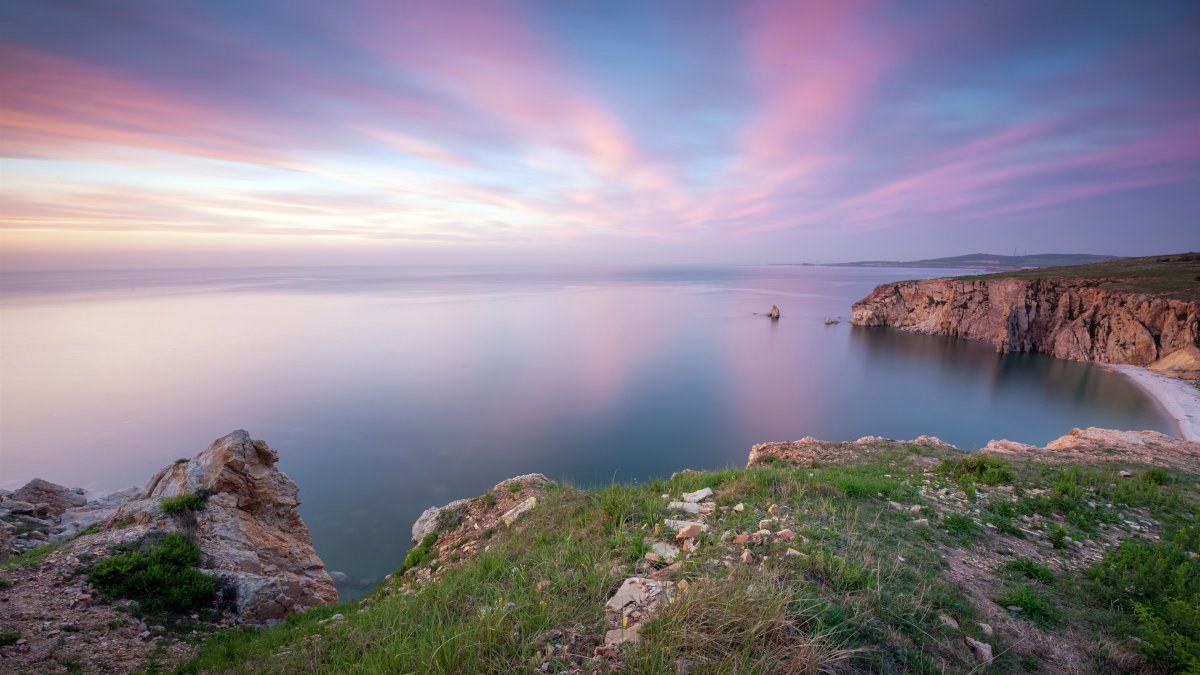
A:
(1034, 605)
(4, 582)
(1057, 534)
(961, 525)
(9, 637)
(420, 554)
(1031, 569)
(160, 577)
(1156, 476)
(1158, 582)
(181, 503)
(487, 499)
(979, 468)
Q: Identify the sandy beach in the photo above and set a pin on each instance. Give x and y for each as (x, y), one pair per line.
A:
(1180, 399)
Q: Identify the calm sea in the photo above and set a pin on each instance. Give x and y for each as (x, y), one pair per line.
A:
(388, 390)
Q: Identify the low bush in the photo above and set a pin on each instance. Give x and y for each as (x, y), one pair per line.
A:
(420, 554)
(978, 468)
(961, 525)
(1031, 569)
(160, 576)
(1158, 582)
(1034, 605)
(182, 503)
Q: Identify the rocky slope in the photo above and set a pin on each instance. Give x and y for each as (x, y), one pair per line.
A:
(1069, 317)
(250, 536)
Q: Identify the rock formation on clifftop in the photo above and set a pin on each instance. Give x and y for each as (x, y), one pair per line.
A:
(249, 531)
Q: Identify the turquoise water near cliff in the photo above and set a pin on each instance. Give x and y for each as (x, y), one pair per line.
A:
(388, 390)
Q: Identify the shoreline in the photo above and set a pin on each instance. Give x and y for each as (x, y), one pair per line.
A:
(1179, 399)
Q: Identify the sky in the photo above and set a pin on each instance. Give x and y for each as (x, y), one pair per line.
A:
(276, 133)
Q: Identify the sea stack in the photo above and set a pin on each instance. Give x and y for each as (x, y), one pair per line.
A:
(774, 313)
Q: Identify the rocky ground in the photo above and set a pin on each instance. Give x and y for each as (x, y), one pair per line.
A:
(244, 521)
(869, 556)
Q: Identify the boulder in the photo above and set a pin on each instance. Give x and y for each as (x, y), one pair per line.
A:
(249, 531)
(56, 497)
(510, 516)
(981, 650)
(774, 313)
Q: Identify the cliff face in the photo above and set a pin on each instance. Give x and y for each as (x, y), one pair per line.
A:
(249, 530)
(1066, 318)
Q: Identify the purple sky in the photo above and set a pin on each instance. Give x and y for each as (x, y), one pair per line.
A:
(198, 133)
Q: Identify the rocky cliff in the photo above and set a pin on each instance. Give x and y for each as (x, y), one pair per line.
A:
(1069, 318)
(249, 531)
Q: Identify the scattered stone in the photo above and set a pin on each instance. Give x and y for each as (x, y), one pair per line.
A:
(664, 551)
(333, 619)
(786, 534)
(792, 551)
(1014, 608)
(918, 522)
(1125, 474)
(739, 507)
(541, 585)
(765, 524)
(773, 510)
(618, 636)
(986, 628)
(981, 650)
(697, 496)
(680, 524)
(510, 516)
(915, 508)
(747, 556)
(690, 531)
(741, 539)
(692, 508)
(948, 620)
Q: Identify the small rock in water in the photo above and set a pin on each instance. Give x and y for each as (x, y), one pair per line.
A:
(774, 313)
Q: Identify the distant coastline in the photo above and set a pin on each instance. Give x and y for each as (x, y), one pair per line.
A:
(979, 261)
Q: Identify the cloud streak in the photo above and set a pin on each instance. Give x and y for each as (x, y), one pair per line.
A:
(762, 125)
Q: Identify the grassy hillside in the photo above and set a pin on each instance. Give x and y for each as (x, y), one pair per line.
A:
(897, 556)
(987, 261)
(1175, 275)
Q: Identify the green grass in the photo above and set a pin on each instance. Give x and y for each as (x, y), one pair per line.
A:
(180, 504)
(1031, 569)
(33, 556)
(9, 637)
(1034, 604)
(1173, 275)
(864, 595)
(420, 554)
(1158, 584)
(159, 574)
(487, 499)
(4, 582)
(962, 526)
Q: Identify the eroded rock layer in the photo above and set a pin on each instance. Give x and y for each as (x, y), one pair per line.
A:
(1067, 318)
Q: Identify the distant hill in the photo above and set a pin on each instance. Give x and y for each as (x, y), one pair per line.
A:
(988, 261)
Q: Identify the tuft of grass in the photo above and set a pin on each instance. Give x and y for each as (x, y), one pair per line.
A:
(1031, 569)
(487, 499)
(1057, 535)
(961, 525)
(180, 504)
(4, 582)
(420, 554)
(743, 622)
(514, 487)
(160, 576)
(33, 556)
(978, 468)
(9, 637)
(1034, 605)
